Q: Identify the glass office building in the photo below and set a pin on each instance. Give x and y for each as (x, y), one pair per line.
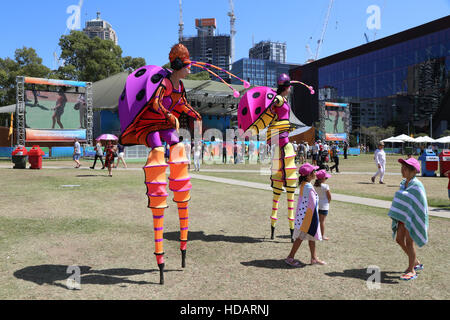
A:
(401, 80)
(259, 72)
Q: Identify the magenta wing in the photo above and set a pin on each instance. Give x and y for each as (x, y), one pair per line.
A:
(253, 109)
(140, 88)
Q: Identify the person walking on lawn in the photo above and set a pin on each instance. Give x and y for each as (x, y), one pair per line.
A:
(335, 154)
(380, 161)
(98, 154)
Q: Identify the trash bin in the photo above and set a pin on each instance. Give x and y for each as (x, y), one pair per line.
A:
(19, 157)
(430, 163)
(35, 157)
(444, 161)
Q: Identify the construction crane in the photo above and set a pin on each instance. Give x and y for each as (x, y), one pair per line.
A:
(232, 29)
(320, 41)
(313, 57)
(181, 25)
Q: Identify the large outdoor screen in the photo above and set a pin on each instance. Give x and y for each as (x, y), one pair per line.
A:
(55, 110)
(336, 117)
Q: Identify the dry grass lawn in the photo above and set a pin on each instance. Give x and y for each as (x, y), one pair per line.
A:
(104, 227)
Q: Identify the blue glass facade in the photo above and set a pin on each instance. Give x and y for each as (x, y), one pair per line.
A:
(259, 72)
(401, 80)
(387, 71)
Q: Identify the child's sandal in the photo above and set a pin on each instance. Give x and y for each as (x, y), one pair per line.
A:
(408, 276)
(292, 262)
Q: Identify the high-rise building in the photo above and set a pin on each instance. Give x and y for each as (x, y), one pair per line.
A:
(260, 72)
(209, 47)
(268, 50)
(100, 28)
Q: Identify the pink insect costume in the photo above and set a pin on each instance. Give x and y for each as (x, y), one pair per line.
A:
(261, 108)
(149, 108)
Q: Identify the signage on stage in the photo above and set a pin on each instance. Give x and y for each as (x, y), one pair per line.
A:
(335, 104)
(36, 135)
(53, 82)
(336, 136)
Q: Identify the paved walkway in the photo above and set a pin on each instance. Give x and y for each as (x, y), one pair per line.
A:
(436, 212)
(266, 171)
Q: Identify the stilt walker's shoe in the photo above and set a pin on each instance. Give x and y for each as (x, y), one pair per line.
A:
(160, 261)
(292, 234)
(272, 234)
(183, 258)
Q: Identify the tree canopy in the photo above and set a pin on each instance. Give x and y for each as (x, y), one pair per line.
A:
(84, 59)
(91, 60)
(26, 62)
(376, 134)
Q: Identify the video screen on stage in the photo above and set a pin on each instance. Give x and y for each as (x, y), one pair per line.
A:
(336, 117)
(55, 110)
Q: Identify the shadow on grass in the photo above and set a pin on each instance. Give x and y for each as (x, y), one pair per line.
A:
(441, 207)
(91, 175)
(200, 235)
(370, 183)
(50, 274)
(362, 274)
(271, 264)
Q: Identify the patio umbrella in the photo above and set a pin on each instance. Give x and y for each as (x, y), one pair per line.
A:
(425, 139)
(393, 140)
(107, 137)
(405, 138)
(443, 140)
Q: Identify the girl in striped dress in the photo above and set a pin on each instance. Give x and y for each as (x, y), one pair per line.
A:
(307, 223)
(409, 214)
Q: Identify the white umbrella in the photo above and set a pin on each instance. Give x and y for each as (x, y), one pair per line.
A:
(405, 138)
(443, 140)
(425, 139)
(393, 140)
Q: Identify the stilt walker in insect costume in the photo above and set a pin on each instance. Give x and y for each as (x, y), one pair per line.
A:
(261, 108)
(149, 108)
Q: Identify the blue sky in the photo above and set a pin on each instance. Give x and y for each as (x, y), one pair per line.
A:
(148, 28)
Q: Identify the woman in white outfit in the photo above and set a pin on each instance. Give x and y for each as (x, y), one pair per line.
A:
(197, 155)
(380, 161)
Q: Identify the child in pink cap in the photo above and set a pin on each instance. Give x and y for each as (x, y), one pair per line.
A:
(307, 224)
(323, 190)
(409, 214)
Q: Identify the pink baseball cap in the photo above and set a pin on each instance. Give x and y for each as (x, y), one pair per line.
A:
(306, 169)
(412, 162)
(322, 174)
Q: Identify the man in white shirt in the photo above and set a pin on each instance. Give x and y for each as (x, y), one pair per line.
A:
(380, 161)
(77, 153)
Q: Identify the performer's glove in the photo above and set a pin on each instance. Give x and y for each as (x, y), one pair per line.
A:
(173, 121)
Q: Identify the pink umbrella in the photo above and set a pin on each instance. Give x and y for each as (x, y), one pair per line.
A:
(107, 137)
